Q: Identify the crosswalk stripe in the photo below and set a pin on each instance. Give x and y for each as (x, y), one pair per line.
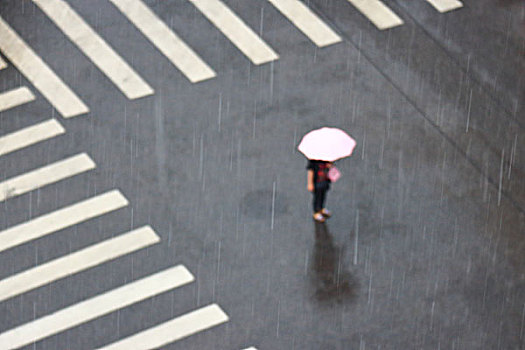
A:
(61, 218)
(95, 307)
(180, 54)
(76, 262)
(304, 19)
(15, 97)
(95, 48)
(236, 30)
(445, 5)
(175, 329)
(30, 135)
(39, 74)
(45, 175)
(377, 12)
(3, 64)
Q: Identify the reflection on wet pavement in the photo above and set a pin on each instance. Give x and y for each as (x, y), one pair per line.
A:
(330, 280)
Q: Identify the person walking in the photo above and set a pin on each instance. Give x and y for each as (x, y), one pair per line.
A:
(319, 183)
(322, 147)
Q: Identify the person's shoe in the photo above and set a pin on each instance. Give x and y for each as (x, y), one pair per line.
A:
(319, 217)
(326, 213)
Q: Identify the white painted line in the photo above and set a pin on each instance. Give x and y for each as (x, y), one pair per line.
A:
(307, 22)
(445, 5)
(62, 218)
(97, 306)
(39, 74)
(77, 261)
(180, 54)
(95, 48)
(236, 30)
(3, 64)
(15, 97)
(251, 348)
(45, 175)
(30, 135)
(173, 330)
(377, 12)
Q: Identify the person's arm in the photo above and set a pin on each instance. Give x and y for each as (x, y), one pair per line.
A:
(310, 180)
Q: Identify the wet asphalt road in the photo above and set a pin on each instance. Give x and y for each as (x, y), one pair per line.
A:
(426, 246)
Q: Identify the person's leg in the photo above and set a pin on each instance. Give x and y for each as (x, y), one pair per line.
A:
(318, 202)
(325, 211)
(316, 205)
(319, 196)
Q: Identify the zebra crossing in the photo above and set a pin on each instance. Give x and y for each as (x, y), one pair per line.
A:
(62, 218)
(95, 307)
(86, 258)
(78, 261)
(179, 53)
(30, 135)
(91, 256)
(45, 175)
(95, 48)
(67, 103)
(15, 97)
(234, 28)
(445, 5)
(165, 40)
(307, 22)
(173, 330)
(378, 13)
(133, 86)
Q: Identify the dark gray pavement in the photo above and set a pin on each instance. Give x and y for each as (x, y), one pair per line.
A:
(426, 246)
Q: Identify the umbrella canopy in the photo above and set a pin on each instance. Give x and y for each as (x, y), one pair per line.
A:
(328, 144)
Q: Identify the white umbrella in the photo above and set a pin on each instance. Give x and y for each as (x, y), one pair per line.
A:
(328, 144)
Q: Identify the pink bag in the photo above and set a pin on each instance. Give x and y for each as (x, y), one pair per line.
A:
(334, 174)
